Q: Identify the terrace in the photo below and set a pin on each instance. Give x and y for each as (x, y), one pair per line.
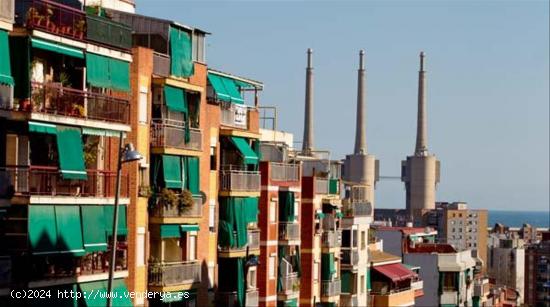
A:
(174, 273)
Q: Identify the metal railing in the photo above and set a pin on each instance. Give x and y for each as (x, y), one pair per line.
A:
(48, 181)
(161, 64)
(230, 299)
(330, 239)
(107, 32)
(239, 181)
(321, 186)
(177, 273)
(330, 287)
(289, 231)
(55, 99)
(284, 171)
(165, 135)
(252, 241)
(386, 291)
(173, 211)
(358, 209)
(234, 115)
(290, 283)
(52, 17)
(350, 256)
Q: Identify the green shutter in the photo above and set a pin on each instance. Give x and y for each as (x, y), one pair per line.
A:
(189, 227)
(240, 282)
(347, 279)
(120, 75)
(286, 209)
(170, 231)
(232, 91)
(225, 233)
(369, 283)
(333, 186)
(42, 128)
(5, 66)
(171, 168)
(180, 53)
(175, 99)
(94, 237)
(42, 229)
(193, 175)
(109, 212)
(248, 155)
(219, 88)
(251, 209)
(232, 213)
(57, 48)
(69, 230)
(327, 266)
(71, 153)
(97, 70)
(20, 66)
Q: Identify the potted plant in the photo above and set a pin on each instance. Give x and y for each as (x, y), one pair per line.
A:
(34, 17)
(79, 28)
(144, 191)
(79, 110)
(185, 201)
(168, 198)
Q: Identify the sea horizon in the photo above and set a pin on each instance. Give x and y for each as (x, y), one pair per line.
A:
(516, 218)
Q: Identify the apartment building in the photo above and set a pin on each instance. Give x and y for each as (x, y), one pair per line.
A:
(506, 263)
(279, 271)
(537, 272)
(65, 115)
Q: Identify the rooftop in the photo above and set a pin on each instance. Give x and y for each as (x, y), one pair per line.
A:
(408, 230)
(439, 248)
(377, 256)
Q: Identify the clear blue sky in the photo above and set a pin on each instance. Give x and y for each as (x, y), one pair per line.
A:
(488, 78)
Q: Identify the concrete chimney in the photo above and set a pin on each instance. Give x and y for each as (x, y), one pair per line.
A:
(360, 138)
(422, 121)
(307, 142)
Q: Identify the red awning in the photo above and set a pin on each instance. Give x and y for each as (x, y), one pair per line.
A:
(395, 271)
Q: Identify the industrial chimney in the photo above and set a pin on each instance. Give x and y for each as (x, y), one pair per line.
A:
(307, 142)
(360, 139)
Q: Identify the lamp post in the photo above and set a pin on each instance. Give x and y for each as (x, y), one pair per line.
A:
(125, 154)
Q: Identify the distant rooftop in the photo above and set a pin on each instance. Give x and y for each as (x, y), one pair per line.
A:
(408, 230)
(439, 248)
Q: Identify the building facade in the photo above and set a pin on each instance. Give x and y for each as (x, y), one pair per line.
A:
(537, 272)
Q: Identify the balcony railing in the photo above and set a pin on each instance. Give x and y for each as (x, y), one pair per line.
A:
(289, 231)
(107, 32)
(47, 181)
(234, 115)
(161, 64)
(229, 299)
(321, 186)
(7, 10)
(330, 287)
(178, 273)
(291, 283)
(284, 172)
(55, 99)
(253, 241)
(358, 209)
(163, 211)
(51, 17)
(166, 135)
(330, 239)
(350, 256)
(239, 181)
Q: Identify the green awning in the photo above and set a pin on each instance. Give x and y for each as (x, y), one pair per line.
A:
(319, 215)
(244, 85)
(251, 209)
(71, 153)
(122, 298)
(175, 99)
(120, 293)
(42, 128)
(219, 88)
(171, 167)
(232, 91)
(189, 227)
(42, 229)
(233, 219)
(57, 48)
(109, 212)
(181, 62)
(5, 65)
(291, 303)
(192, 170)
(94, 237)
(105, 72)
(249, 156)
(69, 230)
(170, 231)
(172, 297)
(347, 279)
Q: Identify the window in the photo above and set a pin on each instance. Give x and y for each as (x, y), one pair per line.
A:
(211, 270)
(143, 175)
(251, 280)
(212, 215)
(213, 158)
(362, 284)
(316, 270)
(272, 212)
(363, 240)
(192, 247)
(271, 267)
(296, 209)
(143, 116)
(198, 47)
(140, 249)
(449, 281)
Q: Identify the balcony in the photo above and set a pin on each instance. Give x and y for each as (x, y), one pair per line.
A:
(330, 239)
(290, 283)
(448, 297)
(289, 231)
(350, 256)
(171, 135)
(253, 245)
(51, 98)
(161, 64)
(47, 181)
(398, 297)
(163, 211)
(330, 287)
(234, 115)
(229, 299)
(239, 181)
(358, 209)
(347, 299)
(106, 32)
(170, 274)
(284, 172)
(51, 17)
(321, 186)
(7, 10)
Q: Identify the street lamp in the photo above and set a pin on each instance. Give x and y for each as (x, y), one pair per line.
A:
(125, 154)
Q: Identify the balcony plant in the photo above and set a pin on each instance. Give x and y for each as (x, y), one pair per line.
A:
(144, 191)
(185, 201)
(168, 198)
(80, 28)
(34, 16)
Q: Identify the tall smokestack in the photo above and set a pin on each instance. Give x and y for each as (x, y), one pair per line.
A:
(422, 121)
(360, 138)
(307, 143)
